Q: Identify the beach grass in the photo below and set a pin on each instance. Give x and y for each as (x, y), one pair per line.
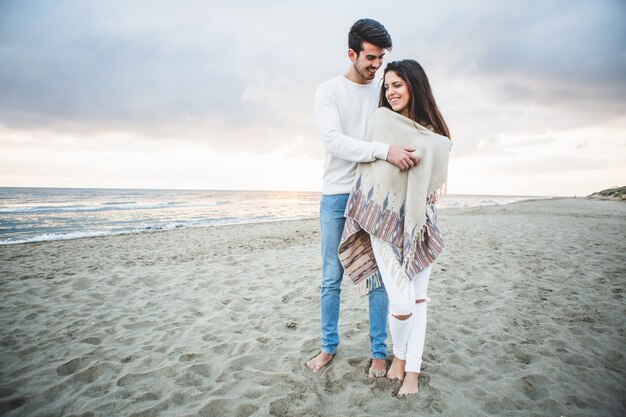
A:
(613, 193)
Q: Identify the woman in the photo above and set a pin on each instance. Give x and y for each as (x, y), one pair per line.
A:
(391, 231)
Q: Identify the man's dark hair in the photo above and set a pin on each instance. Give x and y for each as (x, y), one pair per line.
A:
(370, 31)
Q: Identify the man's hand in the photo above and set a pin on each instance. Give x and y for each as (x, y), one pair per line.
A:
(402, 157)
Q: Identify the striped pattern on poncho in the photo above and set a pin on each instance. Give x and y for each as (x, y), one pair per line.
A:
(395, 206)
(357, 256)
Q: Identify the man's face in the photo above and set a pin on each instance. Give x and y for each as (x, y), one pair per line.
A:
(368, 61)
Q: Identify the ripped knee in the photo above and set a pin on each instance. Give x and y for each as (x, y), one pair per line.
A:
(420, 300)
(401, 316)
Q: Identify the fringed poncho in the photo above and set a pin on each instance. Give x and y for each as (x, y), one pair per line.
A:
(391, 204)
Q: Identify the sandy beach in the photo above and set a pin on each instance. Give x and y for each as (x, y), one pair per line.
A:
(527, 319)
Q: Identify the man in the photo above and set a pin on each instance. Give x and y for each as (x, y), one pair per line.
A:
(343, 107)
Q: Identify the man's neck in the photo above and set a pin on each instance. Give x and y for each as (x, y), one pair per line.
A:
(355, 77)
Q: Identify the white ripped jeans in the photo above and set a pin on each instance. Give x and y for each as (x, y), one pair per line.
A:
(408, 335)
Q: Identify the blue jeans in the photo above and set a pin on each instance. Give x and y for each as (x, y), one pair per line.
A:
(332, 219)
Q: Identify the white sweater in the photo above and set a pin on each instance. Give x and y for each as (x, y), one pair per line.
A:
(342, 111)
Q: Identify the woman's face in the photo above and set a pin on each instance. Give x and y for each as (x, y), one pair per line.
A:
(397, 93)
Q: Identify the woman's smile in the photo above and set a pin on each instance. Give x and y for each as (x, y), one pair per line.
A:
(397, 93)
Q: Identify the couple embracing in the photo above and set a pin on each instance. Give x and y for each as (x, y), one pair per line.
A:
(387, 149)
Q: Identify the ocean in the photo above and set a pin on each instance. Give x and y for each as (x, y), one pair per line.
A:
(43, 214)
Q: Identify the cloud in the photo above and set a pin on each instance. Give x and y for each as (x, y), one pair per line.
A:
(241, 77)
(81, 65)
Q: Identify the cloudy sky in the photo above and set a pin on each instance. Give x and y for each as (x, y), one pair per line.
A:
(219, 95)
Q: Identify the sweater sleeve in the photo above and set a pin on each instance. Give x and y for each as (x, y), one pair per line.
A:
(336, 142)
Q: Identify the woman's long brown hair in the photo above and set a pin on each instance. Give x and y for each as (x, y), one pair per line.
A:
(422, 106)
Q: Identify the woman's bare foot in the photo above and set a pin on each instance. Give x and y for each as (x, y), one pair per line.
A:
(396, 370)
(378, 369)
(318, 362)
(409, 386)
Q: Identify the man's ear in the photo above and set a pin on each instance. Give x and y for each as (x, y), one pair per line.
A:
(352, 55)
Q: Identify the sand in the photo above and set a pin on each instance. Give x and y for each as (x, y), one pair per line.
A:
(527, 319)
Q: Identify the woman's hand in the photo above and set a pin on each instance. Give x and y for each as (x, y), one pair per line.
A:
(402, 157)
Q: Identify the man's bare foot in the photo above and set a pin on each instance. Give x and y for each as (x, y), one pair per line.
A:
(378, 369)
(396, 370)
(319, 361)
(409, 386)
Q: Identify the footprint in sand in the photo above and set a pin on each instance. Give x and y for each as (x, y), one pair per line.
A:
(7, 392)
(575, 359)
(91, 374)
(454, 358)
(148, 396)
(128, 359)
(91, 341)
(245, 410)
(189, 379)
(216, 408)
(532, 386)
(11, 404)
(72, 366)
(203, 370)
(188, 357)
(613, 356)
(140, 325)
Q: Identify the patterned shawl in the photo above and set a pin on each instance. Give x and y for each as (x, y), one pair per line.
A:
(391, 204)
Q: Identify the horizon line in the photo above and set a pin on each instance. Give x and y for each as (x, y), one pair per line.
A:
(250, 190)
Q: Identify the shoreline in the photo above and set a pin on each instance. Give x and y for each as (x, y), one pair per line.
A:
(304, 218)
(527, 302)
(148, 231)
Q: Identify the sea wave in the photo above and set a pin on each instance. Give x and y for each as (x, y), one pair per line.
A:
(44, 237)
(106, 207)
(43, 215)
